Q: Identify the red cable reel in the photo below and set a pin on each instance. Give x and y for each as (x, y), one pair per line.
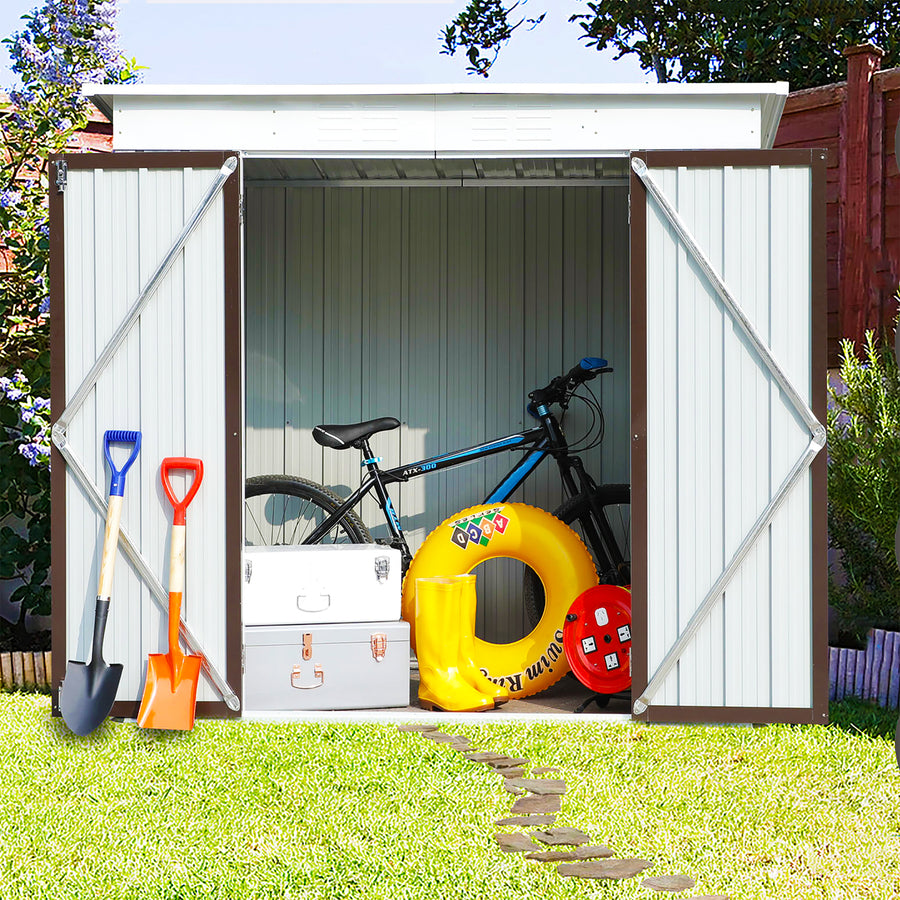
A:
(597, 638)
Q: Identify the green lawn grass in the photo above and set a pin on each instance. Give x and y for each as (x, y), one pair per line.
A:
(250, 810)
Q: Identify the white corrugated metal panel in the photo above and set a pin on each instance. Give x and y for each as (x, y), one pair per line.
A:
(442, 307)
(451, 120)
(721, 438)
(166, 381)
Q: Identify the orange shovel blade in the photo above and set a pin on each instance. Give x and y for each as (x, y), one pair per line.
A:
(170, 696)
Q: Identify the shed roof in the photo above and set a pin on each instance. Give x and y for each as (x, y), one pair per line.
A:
(471, 120)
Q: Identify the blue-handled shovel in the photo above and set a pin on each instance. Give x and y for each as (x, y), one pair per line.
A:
(87, 692)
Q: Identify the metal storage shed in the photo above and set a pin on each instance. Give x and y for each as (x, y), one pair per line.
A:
(434, 253)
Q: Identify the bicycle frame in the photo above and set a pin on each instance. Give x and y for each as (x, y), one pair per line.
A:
(546, 440)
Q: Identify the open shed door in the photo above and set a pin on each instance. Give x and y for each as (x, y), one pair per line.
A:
(728, 411)
(146, 335)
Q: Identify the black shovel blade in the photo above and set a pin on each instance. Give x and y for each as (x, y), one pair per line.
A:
(88, 691)
(87, 694)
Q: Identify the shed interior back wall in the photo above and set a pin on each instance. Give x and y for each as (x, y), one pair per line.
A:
(442, 307)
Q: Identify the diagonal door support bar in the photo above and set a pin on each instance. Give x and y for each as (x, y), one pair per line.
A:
(119, 335)
(60, 436)
(816, 443)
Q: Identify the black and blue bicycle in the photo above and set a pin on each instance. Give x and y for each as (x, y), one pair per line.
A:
(288, 509)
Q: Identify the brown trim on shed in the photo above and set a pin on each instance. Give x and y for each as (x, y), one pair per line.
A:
(205, 709)
(638, 434)
(673, 158)
(819, 467)
(234, 439)
(57, 463)
(233, 435)
(146, 159)
(818, 712)
(721, 715)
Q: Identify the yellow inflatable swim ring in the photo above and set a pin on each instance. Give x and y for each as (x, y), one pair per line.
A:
(532, 536)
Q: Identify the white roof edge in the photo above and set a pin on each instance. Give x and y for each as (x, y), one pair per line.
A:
(337, 90)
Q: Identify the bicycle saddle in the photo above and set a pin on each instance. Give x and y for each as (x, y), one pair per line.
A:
(342, 437)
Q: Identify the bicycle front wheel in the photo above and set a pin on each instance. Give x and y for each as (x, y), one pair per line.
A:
(285, 509)
(614, 503)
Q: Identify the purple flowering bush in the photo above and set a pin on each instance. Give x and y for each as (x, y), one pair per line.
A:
(62, 45)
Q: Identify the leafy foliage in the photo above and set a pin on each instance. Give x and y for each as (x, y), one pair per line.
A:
(706, 40)
(63, 44)
(483, 27)
(864, 489)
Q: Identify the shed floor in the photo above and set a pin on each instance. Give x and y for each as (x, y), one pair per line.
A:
(559, 700)
(563, 697)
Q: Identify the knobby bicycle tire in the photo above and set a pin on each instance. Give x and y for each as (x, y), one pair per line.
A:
(570, 511)
(285, 522)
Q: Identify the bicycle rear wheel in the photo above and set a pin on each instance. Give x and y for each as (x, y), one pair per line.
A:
(614, 503)
(286, 509)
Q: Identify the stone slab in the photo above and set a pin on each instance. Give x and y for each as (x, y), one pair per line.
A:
(484, 756)
(569, 836)
(540, 785)
(603, 868)
(526, 820)
(669, 882)
(599, 852)
(548, 803)
(512, 843)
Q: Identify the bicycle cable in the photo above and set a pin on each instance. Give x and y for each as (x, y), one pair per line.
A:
(596, 412)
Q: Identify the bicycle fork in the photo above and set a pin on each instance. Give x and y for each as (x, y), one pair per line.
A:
(603, 544)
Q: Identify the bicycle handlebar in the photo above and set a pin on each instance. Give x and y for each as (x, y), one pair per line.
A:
(557, 390)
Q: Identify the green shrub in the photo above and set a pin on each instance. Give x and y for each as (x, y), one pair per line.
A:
(864, 490)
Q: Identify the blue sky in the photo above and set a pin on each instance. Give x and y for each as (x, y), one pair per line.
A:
(335, 42)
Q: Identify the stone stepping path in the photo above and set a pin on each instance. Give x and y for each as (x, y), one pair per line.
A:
(538, 801)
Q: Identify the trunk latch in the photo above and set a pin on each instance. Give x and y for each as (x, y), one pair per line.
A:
(306, 653)
(382, 568)
(379, 645)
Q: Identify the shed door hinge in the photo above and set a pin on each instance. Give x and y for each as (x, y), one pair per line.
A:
(62, 170)
(242, 209)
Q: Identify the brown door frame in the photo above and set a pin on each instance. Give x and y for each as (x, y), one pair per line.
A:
(816, 161)
(232, 427)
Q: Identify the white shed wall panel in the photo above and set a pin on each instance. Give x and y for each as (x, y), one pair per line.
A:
(721, 439)
(166, 381)
(442, 307)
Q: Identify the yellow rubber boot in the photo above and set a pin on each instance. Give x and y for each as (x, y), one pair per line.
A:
(441, 685)
(468, 667)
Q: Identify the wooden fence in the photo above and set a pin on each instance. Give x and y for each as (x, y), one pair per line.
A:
(25, 669)
(870, 674)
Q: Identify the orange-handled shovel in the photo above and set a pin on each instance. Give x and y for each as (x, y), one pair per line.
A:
(170, 693)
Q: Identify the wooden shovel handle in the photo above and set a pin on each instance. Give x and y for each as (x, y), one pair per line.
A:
(110, 542)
